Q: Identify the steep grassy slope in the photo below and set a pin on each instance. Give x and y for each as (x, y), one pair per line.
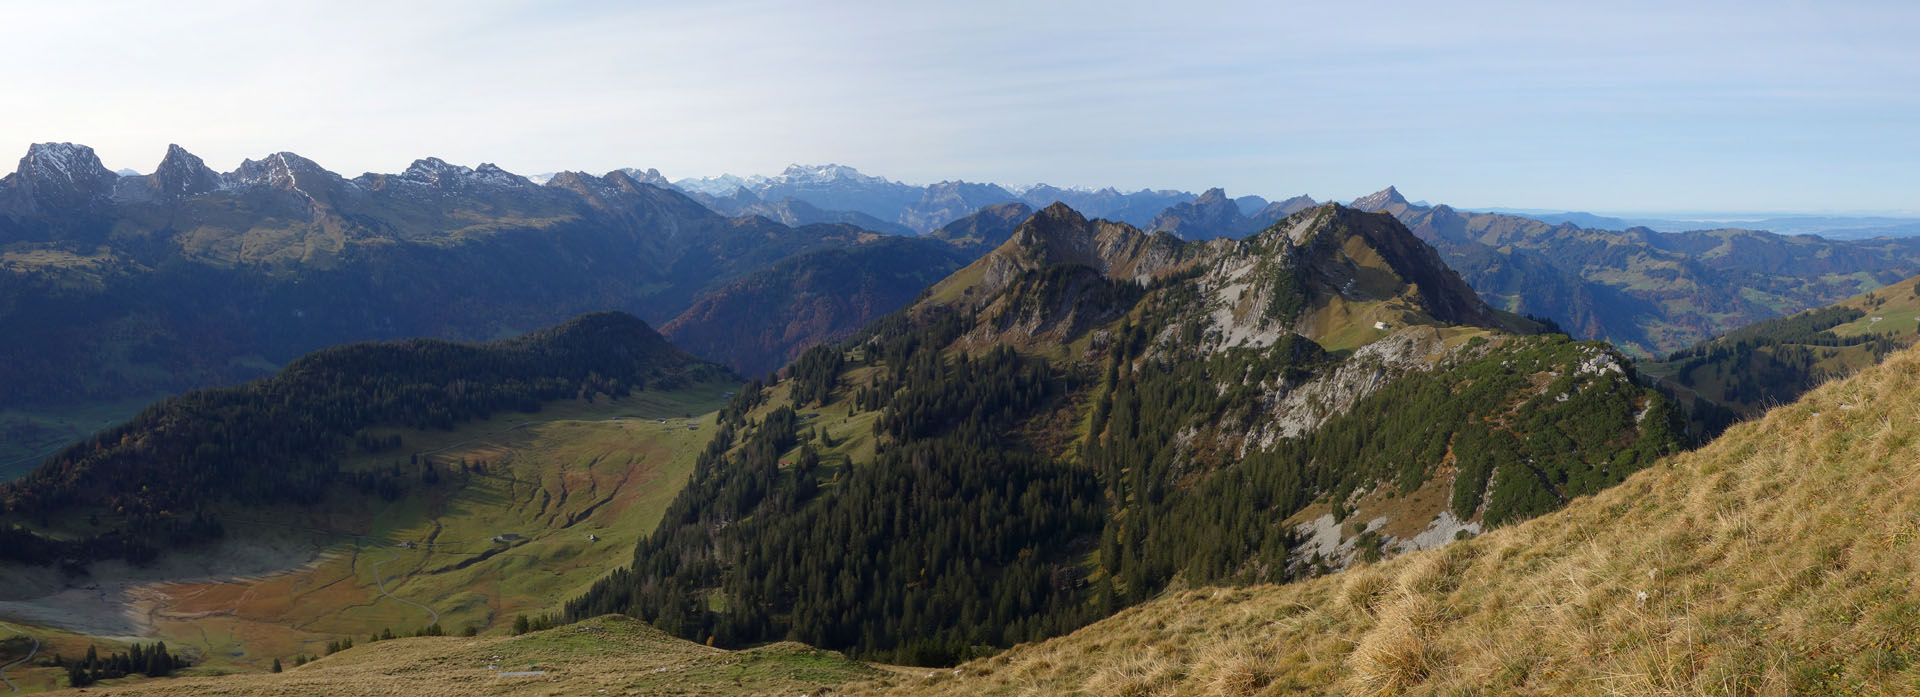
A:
(1776, 560)
(1742, 373)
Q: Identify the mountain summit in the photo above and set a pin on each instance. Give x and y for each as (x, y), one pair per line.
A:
(1380, 200)
(1093, 412)
(57, 177)
(183, 174)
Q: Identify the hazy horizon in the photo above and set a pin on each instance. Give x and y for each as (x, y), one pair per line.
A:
(1755, 108)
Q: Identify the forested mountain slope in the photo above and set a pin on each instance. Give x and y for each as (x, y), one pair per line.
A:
(136, 489)
(1091, 413)
(759, 322)
(1744, 372)
(1777, 559)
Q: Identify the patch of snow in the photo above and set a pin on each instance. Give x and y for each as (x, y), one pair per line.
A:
(722, 185)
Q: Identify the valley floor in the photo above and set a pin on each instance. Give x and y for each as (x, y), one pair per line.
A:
(560, 498)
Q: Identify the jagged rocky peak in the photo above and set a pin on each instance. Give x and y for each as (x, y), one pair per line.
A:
(621, 181)
(490, 173)
(1058, 234)
(581, 183)
(182, 173)
(1379, 200)
(281, 170)
(830, 172)
(1055, 216)
(1297, 203)
(1209, 216)
(438, 173)
(59, 167)
(649, 176)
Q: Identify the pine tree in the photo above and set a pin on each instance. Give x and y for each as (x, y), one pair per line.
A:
(77, 676)
(276, 665)
(159, 662)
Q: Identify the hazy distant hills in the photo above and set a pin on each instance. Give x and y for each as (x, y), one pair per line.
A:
(1648, 292)
(1831, 227)
(138, 285)
(1651, 292)
(1742, 373)
(919, 208)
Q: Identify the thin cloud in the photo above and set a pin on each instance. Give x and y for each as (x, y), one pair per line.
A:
(1642, 106)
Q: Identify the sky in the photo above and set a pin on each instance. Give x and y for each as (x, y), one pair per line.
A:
(1652, 107)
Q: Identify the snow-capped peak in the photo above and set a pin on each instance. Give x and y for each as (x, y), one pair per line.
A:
(286, 171)
(823, 174)
(722, 185)
(276, 170)
(1022, 189)
(492, 174)
(647, 176)
(435, 171)
(438, 173)
(62, 162)
(181, 173)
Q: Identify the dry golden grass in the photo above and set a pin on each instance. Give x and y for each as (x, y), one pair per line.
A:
(1778, 560)
(603, 656)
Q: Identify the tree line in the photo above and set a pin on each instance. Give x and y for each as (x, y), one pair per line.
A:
(150, 483)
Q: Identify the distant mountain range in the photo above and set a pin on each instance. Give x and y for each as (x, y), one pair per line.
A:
(920, 209)
(1648, 292)
(842, 190)
(1841, 227)
(188, 277)
(138, 285)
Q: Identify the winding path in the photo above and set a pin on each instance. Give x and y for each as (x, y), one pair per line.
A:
(381, 581)
(12, 688)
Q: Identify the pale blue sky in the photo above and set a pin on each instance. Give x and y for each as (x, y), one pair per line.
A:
(1752, 106)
